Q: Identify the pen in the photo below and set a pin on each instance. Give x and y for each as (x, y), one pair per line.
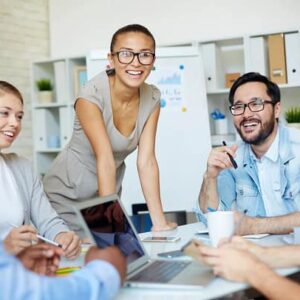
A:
(48, 241)
(42, 238)
(210, 209)
(67, 270)
(230, 157)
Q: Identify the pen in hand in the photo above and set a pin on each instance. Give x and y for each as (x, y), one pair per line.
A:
(48, 241)
(41, 238)
(230, 157)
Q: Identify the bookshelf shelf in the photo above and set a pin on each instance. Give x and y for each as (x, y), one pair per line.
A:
(52, 122)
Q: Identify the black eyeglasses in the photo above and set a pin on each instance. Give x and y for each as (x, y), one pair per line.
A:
(255, 105)
(127, 57)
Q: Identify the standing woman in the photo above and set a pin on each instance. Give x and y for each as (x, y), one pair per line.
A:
(116, 112)
(22, 198)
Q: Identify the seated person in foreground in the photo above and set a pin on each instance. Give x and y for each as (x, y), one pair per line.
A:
(100, 279)
(22, 198)
(244, 261)
(265, 187)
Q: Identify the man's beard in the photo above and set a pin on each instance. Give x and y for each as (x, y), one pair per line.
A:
(265, 130)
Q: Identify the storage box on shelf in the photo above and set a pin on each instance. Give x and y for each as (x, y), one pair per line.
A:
(285, 70)
(53, 119)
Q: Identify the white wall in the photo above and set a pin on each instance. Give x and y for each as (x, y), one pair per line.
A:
(24, 37)
(79, 25)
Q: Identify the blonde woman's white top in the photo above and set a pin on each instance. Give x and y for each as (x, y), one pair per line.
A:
(12, 208)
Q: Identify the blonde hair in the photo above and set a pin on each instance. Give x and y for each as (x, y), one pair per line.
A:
(6, 87)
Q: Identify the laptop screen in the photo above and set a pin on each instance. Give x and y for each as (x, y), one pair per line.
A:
(109, 226)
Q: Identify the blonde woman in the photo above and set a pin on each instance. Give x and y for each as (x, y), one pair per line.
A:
(22, 199)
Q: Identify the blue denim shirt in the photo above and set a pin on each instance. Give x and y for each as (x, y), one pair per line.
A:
(240, 189)
(97, 280)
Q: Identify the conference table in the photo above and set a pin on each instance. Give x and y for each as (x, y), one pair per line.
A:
(217, 288)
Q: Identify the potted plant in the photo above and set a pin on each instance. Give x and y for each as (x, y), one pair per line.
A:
(45, 88)
(292, 116)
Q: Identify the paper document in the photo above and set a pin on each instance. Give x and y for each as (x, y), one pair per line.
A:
(256, 236)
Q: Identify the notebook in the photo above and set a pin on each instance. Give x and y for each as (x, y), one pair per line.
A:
(106, 223)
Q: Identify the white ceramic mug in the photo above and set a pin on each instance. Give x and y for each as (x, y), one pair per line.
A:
(220, 225)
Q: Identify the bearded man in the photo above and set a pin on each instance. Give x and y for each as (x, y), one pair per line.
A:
(264, 189)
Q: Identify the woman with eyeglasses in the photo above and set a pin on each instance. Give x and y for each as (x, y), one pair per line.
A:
(116, 112)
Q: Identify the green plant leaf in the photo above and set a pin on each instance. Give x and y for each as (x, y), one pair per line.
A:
(292, 115)
(44, 84)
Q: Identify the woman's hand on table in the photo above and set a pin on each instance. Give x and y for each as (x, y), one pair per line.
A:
(71, 243)
(164, 227)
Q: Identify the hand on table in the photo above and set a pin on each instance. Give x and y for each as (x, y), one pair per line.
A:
(244, 224)
(70, 244)
(231, 263)
(164, 227)
(41, 258)
(231, 260)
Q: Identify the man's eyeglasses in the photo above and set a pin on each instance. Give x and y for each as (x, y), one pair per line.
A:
(256, 105)
(127, 57)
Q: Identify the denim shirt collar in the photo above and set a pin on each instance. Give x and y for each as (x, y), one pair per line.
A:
(285, 152)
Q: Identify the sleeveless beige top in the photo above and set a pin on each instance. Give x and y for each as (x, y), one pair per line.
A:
(73, 173)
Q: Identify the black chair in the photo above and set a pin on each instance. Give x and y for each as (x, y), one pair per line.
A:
(141, 217)
(142, 221)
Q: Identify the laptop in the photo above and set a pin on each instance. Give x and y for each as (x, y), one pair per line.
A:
(105, 221)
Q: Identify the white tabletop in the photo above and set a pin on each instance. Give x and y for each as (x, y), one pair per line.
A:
(217, 288)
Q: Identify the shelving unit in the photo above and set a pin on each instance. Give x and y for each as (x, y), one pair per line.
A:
(52, 122)
(241, 55)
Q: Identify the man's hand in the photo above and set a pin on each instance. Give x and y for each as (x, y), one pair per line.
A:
(41, 258)
(233, 264)
(70, 243)
(19, 238)
(243, 224)
(219, 160)
(231, 260)
(110, 254)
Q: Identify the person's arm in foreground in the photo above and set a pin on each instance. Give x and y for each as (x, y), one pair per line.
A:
(99, 279)
(274, 225)
(243, 266)
(91, 120)
(275, 257)
(218, 160)
(149, 173)
(41, 258)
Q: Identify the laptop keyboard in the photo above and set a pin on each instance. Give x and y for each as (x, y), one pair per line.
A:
(160, 271)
